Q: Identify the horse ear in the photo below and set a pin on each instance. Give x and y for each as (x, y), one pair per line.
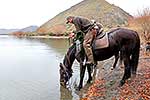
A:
(61, 66)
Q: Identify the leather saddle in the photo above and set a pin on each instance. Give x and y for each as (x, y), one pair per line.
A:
(101, 41)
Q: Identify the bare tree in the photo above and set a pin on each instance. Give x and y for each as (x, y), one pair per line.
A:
(143, 20)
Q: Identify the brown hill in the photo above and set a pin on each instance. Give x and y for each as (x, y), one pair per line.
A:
(100, 10)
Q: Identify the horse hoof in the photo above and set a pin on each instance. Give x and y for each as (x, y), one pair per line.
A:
(112, 68)
(133, 76)
(121, 83)
(89, 81)
(78, 88)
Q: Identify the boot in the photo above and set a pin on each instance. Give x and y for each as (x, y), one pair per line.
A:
(90, 56)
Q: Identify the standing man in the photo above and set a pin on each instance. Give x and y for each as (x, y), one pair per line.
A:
(90, 29)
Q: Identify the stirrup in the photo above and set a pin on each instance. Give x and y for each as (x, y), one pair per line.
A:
(90, 64)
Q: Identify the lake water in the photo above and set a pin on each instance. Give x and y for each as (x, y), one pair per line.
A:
(29, 69)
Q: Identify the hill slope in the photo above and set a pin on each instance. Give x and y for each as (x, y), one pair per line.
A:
(100, 10)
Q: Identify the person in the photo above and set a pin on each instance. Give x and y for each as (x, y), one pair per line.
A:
(90, 29)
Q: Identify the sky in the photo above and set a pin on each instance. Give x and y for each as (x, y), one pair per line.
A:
(23, 13)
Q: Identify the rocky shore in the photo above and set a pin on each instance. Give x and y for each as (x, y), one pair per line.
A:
(106, 84)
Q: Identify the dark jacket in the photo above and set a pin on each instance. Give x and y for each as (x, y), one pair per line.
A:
(81, 24)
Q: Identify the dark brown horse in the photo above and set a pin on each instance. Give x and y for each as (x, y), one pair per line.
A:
(125, 41)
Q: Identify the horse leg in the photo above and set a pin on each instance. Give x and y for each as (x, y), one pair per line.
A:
(134, 62)
(133, 68)
(127, 70)
(89, 73)
(82, 72)
(116, 60)
(121, 59)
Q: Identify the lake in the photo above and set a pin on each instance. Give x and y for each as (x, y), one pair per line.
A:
(29, 69)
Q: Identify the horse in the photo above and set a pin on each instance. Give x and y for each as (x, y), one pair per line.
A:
(123, 43)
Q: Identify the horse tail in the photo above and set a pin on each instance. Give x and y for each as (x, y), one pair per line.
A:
(135, 55)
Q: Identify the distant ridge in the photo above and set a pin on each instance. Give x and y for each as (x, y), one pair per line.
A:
(29, 29)
(100, 10)
(32, 28)
(7, 31)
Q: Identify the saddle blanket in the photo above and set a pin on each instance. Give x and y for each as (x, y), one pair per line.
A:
(102, 42)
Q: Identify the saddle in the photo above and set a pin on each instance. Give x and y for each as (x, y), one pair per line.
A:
(101, 41)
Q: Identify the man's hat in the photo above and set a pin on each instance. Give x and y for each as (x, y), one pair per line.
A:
(68, 18)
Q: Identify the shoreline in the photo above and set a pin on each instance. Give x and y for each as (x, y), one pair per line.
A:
(48, 37)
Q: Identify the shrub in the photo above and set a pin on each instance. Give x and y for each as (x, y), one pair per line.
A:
(143, 20)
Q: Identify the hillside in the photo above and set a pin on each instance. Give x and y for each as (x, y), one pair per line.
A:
(100, 10)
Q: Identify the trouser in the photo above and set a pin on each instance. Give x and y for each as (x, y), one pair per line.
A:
(87, 46)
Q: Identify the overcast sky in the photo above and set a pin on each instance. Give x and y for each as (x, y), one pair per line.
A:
(23, 13)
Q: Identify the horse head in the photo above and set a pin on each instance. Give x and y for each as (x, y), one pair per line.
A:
(65, 75)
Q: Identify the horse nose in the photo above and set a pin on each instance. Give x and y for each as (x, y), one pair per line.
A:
(62, 84)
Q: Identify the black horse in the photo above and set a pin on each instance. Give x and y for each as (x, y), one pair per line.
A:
(123, 43)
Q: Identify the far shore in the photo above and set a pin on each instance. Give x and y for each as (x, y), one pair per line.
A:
(49, 37)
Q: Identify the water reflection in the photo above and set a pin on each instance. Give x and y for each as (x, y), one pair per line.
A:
(58, 45)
